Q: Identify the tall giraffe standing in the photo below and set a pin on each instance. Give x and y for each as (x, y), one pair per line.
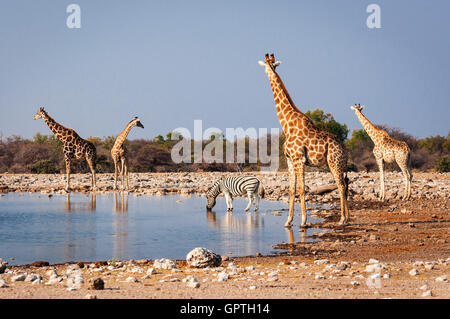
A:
(73, 145)
(387, 150)
(119, 151)
(306, 145)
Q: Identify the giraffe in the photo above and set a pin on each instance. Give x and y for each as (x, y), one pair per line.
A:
(387, 150)
(306, 145)
(73, 146)
(119, 151)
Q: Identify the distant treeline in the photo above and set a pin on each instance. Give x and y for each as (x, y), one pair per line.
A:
(43, 153)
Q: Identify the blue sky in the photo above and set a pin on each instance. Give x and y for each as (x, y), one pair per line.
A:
(172, 62)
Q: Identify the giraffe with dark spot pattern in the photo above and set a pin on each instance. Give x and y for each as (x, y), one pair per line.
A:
(73, 145)
(306, 145)
(119, 152)
(387, 149)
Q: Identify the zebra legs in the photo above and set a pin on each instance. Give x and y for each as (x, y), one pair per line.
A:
(229, 200)
(250, 201)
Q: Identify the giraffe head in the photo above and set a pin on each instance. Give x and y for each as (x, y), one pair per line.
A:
(357, 107)
(40, 114)
(137, 122)
(269, 62)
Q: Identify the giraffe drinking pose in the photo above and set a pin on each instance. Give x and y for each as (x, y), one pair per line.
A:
(387, 150)
(119, 151)
(73, 145)
(306, 145)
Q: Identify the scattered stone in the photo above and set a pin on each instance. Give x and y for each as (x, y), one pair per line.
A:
(137, 269)
(202, 257)
(89, 296)
(164, 263)
(40, 263)
(427, 293)
(3, 265)
(98, 284)
(132, 279)
(319, 277)
(354, 283)
(413, 272)
(191, 281)
(252, 287)
(321, 261)
(442, 279)
(222, 276)
(373, 261)
(424, 287)
(151, 271)
(20, 277)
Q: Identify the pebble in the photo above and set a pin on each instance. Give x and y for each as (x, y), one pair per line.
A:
(413, 272)
(151, 271)
(20, 277)
(252, 287)
(321, 261)
(427, 293)
(164, 263)
(89, 296)
(222, 276)
(3, 284)
(131, 279)
(442, 279)
(354, 283)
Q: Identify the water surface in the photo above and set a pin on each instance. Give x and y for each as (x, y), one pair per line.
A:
(80, 227)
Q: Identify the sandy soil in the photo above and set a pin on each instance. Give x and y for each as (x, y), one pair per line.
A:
(401, 236)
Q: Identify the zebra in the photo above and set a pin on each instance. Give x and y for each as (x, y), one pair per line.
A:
(235, 186)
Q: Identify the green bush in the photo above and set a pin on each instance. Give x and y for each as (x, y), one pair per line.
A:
(443, 164)
(44, 167)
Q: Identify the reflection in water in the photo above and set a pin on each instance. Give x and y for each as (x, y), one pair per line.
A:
(120, 225)
(121, 206)
(81, 206)
(290, 234)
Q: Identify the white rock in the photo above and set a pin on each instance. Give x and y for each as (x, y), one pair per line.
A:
(413, 272)
(131, 279)
(321, 261)
(151, 271)
(202, 257)
(3, 284)
(192, 282)
(373, 261)
(137, 269)
(354, 283)
(164, 263)
(222, 276)
(386, 276)
(250, 268)
(252, 287)
(442, 278)
(427, 293)
(424, 287)
(32, 277)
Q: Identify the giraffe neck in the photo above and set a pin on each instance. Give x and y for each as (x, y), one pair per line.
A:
(122, 136)
(55, 127)
(283, 102)
(371, 129)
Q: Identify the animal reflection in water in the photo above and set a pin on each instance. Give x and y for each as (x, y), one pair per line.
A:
(249, 224)
(120, 203)
(81, 206)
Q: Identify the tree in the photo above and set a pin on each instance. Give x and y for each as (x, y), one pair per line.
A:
(327, 123)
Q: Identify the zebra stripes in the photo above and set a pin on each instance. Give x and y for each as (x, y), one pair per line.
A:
(236, 186)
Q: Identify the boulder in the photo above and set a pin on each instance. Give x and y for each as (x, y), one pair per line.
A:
(201, 257)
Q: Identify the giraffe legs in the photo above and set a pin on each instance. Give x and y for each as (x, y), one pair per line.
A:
(300, 172)
(343, 190)
(67, 160)
(91, 164)
(115, 173)
(408, 177)
(380, 164)
(292, 187)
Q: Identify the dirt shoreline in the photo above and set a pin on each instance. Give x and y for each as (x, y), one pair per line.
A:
(409, 240)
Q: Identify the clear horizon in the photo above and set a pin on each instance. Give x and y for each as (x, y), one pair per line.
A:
(171, 63)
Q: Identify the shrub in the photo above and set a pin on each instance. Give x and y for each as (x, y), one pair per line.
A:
(44, 167)
(443, 164)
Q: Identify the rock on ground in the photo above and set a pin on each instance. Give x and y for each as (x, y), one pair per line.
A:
(202, 257)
